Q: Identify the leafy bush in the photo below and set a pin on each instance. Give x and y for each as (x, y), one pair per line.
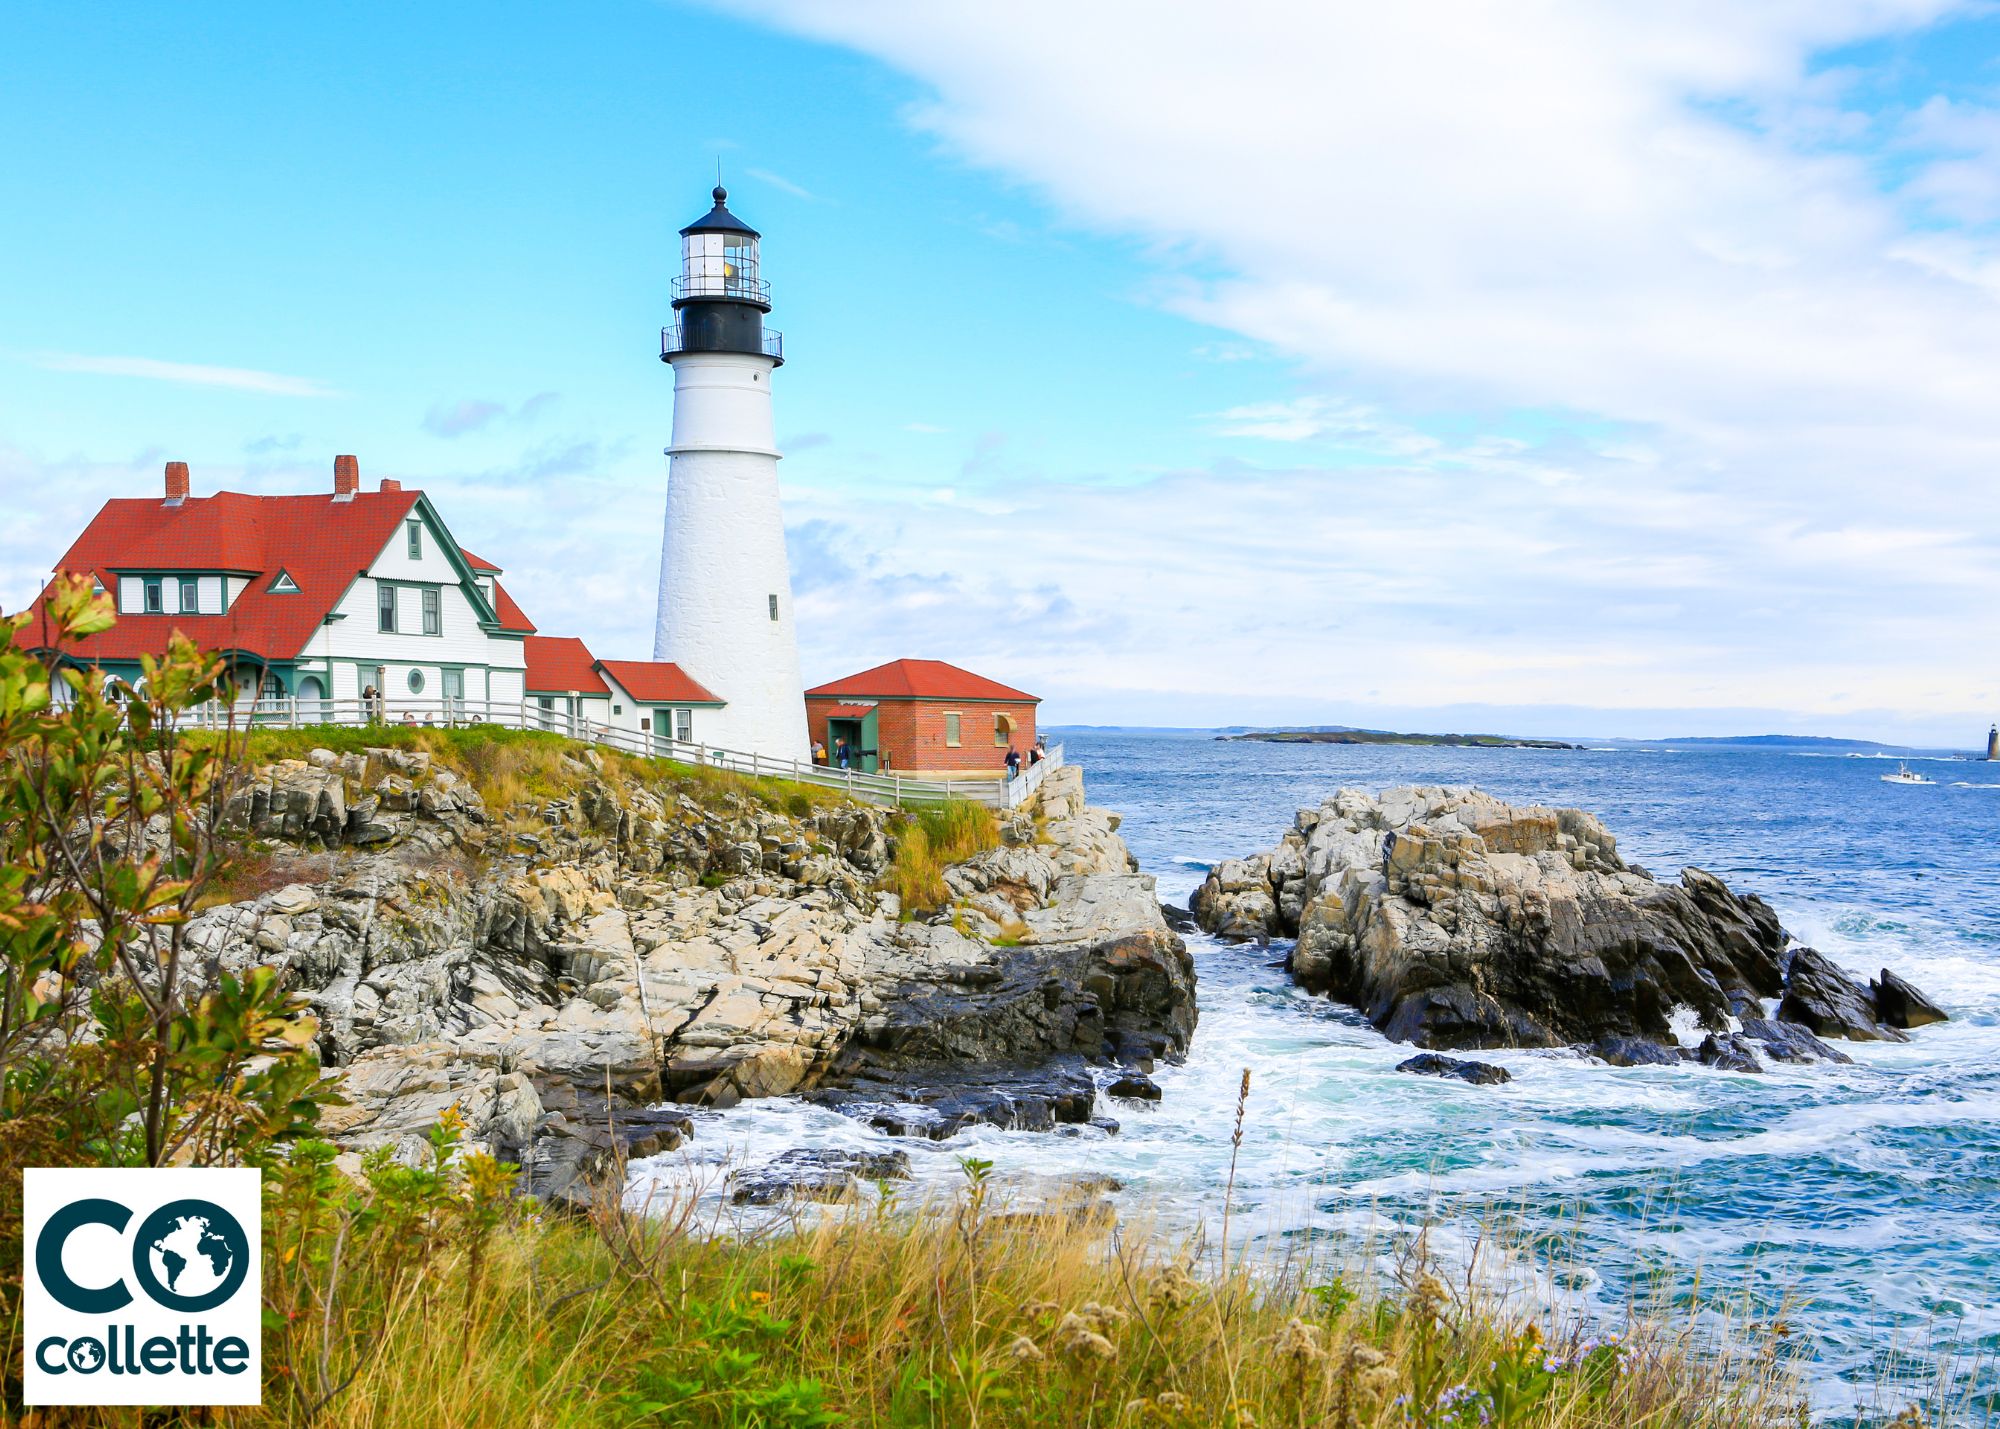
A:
(118, 1046)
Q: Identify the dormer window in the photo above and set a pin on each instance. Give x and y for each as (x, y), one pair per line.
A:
(190, 596)
(284, 584)
(155, 600)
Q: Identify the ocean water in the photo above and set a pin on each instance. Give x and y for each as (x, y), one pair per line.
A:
(1859, 1204)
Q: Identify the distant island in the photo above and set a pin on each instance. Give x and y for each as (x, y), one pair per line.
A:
(1385, 736)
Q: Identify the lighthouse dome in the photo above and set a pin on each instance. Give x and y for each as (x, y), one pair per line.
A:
(719, 219)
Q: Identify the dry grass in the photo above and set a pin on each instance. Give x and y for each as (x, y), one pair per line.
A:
(928, 842)
(972, 1313)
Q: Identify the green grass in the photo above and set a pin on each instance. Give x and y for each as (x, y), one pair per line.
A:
(514, 766)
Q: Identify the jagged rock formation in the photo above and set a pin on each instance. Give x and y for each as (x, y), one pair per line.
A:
(630, 945)
(1454, 920)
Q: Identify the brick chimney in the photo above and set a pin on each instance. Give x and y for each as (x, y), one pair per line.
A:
(177, 482)
(346, 478)
(391, 485)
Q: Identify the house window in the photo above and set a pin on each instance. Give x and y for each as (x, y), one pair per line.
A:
(284, 584)
(774, 607)
(951, 731)
(618, 709)
(190, 596)
(154, 599)
(433, 616)
(1003, 731)
(385, 608)
(416, 682)
(646, 723)
(415, 529)
(684, 723)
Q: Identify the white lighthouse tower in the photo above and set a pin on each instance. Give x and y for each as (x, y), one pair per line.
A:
(725, 612)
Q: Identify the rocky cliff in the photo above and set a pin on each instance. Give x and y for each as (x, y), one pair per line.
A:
(633, 936)
(1454, 920)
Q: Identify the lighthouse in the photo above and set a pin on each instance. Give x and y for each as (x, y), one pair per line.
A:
(725, 612)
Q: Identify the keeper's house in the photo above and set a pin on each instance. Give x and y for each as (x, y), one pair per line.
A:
(317, 598)
(923, 717)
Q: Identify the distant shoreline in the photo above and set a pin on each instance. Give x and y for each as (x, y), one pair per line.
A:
(1383, 736)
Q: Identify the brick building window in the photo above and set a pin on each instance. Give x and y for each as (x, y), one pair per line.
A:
(951, 730)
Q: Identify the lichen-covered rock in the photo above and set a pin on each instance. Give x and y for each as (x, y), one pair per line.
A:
(657, 949)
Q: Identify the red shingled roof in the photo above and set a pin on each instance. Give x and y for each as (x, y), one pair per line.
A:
(478, 563)
(558, 664)
(656, 682)
(920, 680)
(511, 618)
(321, 543)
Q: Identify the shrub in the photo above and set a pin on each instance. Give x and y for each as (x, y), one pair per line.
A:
(118, 1047)
(929, 841)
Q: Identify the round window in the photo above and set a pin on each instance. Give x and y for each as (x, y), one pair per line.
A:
(416, 682)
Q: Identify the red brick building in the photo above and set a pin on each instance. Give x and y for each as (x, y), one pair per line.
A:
(923, 717)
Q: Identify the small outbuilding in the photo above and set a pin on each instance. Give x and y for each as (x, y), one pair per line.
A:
(922, 717)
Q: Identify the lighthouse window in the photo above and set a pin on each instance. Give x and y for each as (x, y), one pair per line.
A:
(774, 607)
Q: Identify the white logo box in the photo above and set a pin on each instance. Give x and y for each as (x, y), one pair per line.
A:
(142, 1286)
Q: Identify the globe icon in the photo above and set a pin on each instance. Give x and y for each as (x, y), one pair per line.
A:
(86, 1356)
(195, 1255)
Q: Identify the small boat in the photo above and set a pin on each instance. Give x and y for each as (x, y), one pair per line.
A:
(1904, 776)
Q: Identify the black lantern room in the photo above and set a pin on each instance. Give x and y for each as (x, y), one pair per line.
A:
(719, 297)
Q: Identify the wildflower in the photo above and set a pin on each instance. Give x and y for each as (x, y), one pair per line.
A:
(1138, 1408)
(760, 1297)
(1300, 1344)
(1240, 1414)
(1378, 1380)
(1173, 1401)
(1041, 1310)
(1075, 1336)
(1025, 1351)
(1102, 1318)
(1428, 1299)
(1173, 1289)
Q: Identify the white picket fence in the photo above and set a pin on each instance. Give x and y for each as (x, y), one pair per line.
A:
(890, 788)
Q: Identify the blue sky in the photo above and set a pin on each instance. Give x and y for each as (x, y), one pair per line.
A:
(1566, 371)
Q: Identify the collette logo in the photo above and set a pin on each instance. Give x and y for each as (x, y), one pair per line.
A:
(141, 1287)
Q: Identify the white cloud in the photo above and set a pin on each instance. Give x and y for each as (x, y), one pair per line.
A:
(1748, 322)
(241, 379)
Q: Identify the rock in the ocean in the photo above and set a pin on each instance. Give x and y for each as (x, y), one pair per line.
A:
(1901, 1005)
(1789, 1042)
(808, 1174)
(1635, 1052)
(1730, 1051)
(1134, 1086)
(1821, 997)
(1453, 920)
(1480, 1074)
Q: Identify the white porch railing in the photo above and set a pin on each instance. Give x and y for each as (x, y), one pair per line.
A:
(391, 713)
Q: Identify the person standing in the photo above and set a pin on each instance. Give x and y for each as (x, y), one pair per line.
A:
(840, 752)
(1013, 762)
